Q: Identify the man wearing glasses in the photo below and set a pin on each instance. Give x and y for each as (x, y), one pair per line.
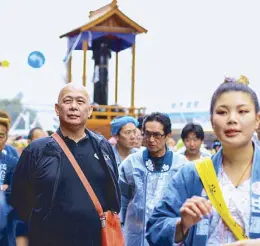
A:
(144, 175)
(124, 130)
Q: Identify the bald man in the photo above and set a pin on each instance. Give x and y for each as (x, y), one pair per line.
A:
(47, 191)
(35, 133)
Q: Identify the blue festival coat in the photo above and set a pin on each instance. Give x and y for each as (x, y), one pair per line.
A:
(7, 220)
(141, 190)
(162, 224)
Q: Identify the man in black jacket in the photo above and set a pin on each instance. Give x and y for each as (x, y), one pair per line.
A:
(47, 192)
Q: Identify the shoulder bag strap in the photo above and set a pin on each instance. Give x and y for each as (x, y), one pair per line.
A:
(209, 179)
(79, 172)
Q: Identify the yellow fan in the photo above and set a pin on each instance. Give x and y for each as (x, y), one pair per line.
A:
(5, 63)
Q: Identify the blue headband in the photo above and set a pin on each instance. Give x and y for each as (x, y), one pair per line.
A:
(118, 123)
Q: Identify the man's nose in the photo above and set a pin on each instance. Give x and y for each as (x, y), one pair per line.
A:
(192, 143)
(74, 104)
(151, 138)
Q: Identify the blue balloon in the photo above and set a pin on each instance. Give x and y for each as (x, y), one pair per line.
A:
(36, 59)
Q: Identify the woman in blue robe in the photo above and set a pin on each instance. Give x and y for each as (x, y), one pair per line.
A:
(184, 216)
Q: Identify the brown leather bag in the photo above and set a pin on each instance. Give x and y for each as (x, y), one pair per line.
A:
(110, 223)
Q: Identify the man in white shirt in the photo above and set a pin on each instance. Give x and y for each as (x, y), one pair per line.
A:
(193, 137)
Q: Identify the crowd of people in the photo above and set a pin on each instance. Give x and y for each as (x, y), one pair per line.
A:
(153, 184)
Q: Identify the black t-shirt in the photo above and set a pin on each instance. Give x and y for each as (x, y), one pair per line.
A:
(157, 162)
(76, 219)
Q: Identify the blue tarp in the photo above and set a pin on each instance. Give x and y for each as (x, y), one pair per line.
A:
(121, 42)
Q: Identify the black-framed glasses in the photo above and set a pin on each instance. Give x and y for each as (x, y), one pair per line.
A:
(155, 135)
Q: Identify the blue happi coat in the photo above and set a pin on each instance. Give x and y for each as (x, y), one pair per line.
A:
(117, 155)
(7, 222)
(3, 209)
(141, 189)
(162, 223)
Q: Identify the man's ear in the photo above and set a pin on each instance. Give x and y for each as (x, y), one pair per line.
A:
(116, 137)
(57, 109)
(90, 111)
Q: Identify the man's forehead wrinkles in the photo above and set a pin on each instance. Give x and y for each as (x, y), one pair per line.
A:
(71, 96)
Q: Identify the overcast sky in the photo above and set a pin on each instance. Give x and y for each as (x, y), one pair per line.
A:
(189, 48)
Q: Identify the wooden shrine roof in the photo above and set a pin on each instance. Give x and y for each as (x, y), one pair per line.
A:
(108, 19)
